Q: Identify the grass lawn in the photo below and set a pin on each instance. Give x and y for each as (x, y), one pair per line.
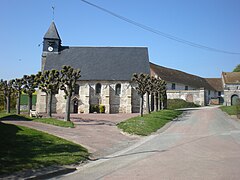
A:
(149, 123)
(53, 121)
(231, 110)
(25, 148)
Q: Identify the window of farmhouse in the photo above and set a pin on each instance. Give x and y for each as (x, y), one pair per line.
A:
(186, 87)
(98, 88)
(118, 89)
(173, 86)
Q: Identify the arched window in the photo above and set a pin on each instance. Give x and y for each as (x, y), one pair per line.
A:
(98, 88)
(118, 89)
(76, 89)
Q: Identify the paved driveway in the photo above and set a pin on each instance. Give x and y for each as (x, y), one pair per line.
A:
(97, 132)
(204, 144)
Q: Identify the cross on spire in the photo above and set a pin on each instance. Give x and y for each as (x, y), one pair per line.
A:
(53, 8)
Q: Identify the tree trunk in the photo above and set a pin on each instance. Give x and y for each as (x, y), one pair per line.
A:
(49, 105)
(8, 103)
(67, 113)
(18, 102)
(159, 101)
(155, 102)
(141, 106)
(29, 103)
(148, 103)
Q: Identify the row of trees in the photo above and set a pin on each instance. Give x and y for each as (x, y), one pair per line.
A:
(49, 81)
(150, 85)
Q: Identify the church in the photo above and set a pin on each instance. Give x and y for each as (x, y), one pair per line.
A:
(106, 74)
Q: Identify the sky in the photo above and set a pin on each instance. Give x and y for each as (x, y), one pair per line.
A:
(212, 23)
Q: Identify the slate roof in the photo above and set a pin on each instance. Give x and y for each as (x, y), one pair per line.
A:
(231, 77)
(176, 76)
(52, 32)
(101, 63)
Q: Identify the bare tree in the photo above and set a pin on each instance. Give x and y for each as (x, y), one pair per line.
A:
(7, 88)
(29, 87)
(17, 85)
(141, 80)
(68, 79)
(48, 82)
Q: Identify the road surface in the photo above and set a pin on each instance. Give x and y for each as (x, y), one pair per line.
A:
(203, 144)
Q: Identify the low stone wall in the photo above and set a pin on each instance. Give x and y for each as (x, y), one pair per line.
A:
(195, 96)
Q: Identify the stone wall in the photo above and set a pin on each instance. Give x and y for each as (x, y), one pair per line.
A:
(195, 96)
(228, 96)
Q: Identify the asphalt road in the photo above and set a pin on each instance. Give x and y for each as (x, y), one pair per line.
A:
(204, 144)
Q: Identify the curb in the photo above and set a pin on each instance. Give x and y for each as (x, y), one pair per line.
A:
(42, 173)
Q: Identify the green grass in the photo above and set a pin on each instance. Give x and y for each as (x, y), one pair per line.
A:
(24, 148)
(231, 110)
(51, 121)
(180, 103)
(149, 123)
(55, 122)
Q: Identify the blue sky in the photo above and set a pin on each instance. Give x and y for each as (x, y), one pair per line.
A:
(213, 23)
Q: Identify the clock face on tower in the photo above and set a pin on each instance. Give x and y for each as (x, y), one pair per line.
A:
(50, 48)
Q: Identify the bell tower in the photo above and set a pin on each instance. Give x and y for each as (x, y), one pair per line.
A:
(51, 43)
(52, 40)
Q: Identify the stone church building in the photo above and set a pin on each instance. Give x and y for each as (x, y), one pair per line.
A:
(106, 74)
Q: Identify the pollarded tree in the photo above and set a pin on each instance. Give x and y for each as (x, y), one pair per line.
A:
(48, 82)
(161, 88)
(142, 82)
(2, 96)
(149, 89)
(154, 91)
(7, 91)
(29, 87)
(68, 79)
(17, 85)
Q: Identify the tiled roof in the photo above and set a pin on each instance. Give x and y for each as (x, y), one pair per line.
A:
(101, 63)
(216, 83)
(231, 77)
(176, 76)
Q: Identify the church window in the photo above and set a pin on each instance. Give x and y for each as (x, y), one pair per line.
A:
(118, 89)
(98, 88)
(76, 89)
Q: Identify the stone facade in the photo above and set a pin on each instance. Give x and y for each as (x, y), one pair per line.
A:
(127, 101)
(231, 84)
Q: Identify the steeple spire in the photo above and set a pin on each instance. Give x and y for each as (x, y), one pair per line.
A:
(52, 32)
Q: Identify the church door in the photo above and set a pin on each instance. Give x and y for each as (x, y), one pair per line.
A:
(75, 106)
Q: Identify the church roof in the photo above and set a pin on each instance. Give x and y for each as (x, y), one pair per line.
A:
(176, 76)
(101, 63)
(231, 77)
(52, 32)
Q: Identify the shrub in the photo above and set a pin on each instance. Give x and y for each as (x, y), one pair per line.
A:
(180, 103)
(102, 108)
(94, 108)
